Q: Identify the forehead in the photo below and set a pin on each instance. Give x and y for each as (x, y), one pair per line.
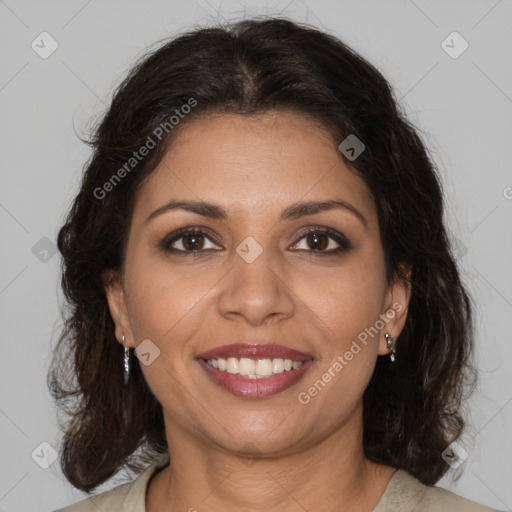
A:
(253, 164)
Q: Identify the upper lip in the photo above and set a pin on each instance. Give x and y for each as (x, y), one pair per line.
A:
(255, 350)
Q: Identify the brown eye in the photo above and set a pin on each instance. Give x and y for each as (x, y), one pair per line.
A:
(185, 241)
(317, 240)
(192, 241)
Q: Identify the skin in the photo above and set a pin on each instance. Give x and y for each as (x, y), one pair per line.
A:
(255, 167)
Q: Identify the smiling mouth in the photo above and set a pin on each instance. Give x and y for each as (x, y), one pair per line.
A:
(255, 378)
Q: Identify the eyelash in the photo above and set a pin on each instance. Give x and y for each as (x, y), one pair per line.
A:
(344, 243)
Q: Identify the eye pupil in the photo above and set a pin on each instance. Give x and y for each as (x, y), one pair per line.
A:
(196, 241)
(314, 237)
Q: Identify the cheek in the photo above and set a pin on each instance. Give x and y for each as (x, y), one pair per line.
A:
(166, 304)
(165, 308)
(161, 304)
(347, 301)
(345, 308)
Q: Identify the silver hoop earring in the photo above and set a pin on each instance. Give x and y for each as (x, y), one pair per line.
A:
(390, 343)
(126, 363)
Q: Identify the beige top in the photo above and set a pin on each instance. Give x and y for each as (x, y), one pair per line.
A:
(403, 493)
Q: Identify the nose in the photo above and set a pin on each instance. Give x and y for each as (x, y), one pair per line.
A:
(256, 292)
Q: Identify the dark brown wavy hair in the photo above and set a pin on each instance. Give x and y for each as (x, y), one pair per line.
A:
(412, 407)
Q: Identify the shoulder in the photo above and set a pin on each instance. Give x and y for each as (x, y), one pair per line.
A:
(437, 497)
(408, 494)
(113, 500)
(128, 497)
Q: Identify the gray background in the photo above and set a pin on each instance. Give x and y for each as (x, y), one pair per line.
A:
(462, 105)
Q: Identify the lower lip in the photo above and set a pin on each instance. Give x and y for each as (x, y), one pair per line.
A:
(255, 388)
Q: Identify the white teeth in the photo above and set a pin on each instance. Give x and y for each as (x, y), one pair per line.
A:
(278, 366)
(254, 368)
(232, 366)
(263, 367)
(247, 366)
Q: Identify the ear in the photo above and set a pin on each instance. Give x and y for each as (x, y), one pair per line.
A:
(117, 306)
(396, 306)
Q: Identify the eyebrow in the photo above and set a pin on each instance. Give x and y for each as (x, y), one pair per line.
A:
(293, 212)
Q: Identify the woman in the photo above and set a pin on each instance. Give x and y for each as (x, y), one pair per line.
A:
(264, 226)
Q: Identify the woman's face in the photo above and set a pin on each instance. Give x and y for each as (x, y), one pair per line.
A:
(254, 275)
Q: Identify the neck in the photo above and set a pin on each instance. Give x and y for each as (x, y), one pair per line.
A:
(332, 472)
